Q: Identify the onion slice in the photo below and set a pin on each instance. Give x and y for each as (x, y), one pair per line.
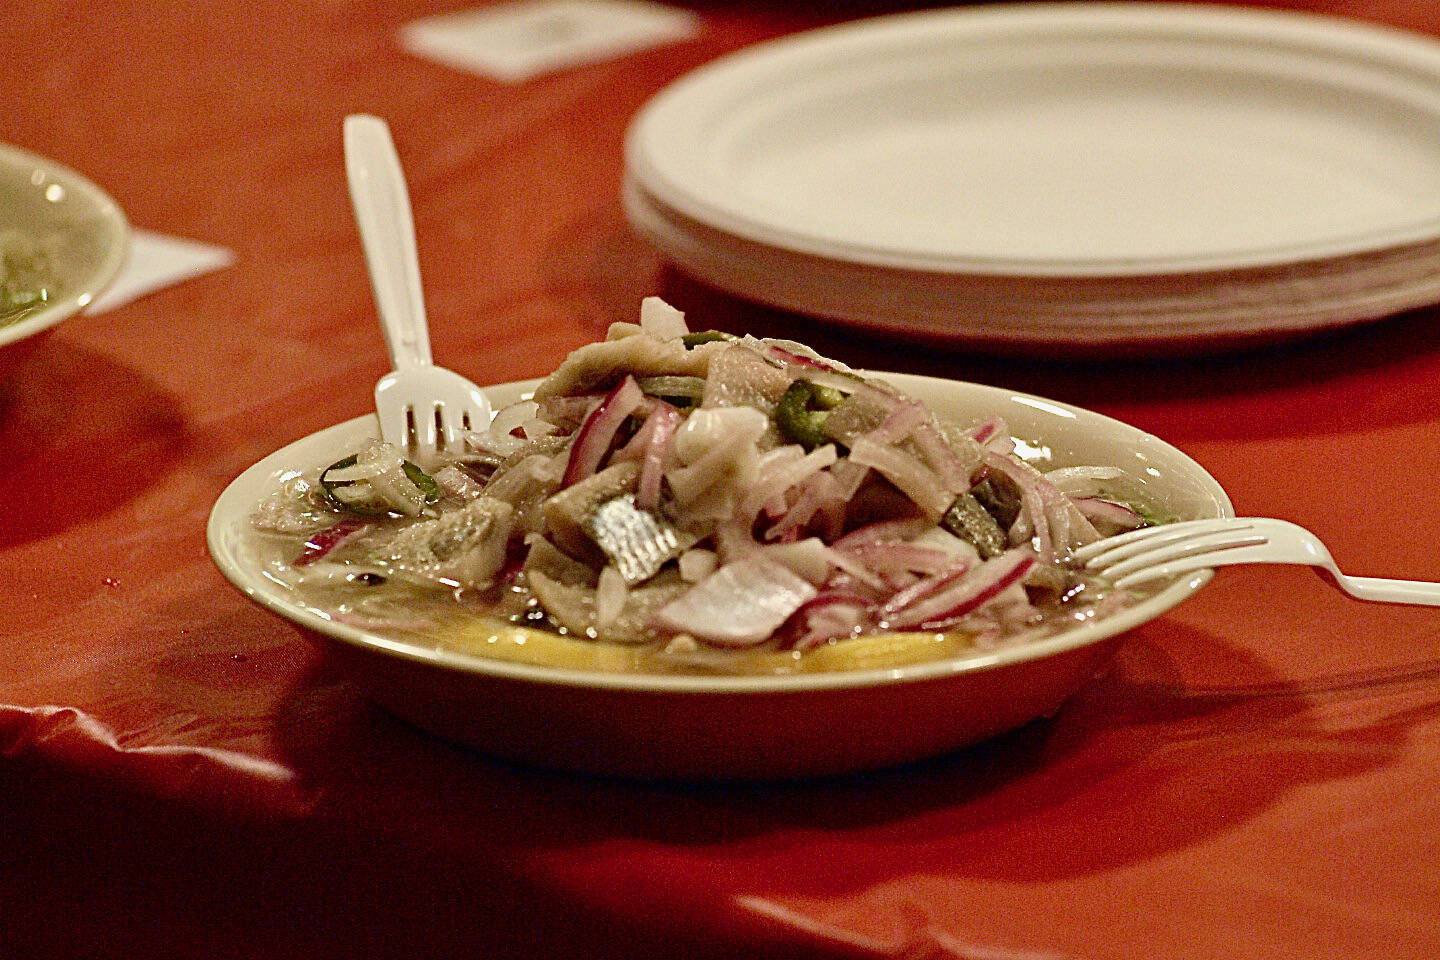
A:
(593, 439)
(907, 473)
(1114, 515)
(327, 540)
(651, 446)
(964, 594)
(830, 616)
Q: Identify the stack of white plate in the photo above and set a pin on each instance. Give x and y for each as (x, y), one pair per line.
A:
(1109, 176)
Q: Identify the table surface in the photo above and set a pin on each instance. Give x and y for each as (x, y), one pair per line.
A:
(183, 774)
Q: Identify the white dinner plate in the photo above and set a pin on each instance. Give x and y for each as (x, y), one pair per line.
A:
(735, 727)
(1267, 169)
(1155, 313)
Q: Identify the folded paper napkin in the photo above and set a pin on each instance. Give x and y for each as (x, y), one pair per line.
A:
(516, 41)
(156, 261)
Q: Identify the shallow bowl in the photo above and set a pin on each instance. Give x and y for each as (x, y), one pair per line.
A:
(740, 727)
(82, 231)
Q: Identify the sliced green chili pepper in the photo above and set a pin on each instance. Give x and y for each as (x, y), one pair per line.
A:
(693, 340)
(332, 490)
(1153, 516)
(801, 413)
(679, 391)
(422, 480)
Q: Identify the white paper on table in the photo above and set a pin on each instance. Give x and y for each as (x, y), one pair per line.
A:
(156, 261)
(516, 41)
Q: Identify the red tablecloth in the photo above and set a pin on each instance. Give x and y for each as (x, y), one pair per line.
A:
(183, 774)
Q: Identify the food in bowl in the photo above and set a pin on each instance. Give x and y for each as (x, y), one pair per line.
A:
(697, 502)
(28, 281)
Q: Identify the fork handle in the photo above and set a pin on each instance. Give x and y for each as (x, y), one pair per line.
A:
(387, 232)
(1382, 590)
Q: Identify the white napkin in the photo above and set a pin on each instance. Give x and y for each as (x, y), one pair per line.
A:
(156, 261)
(516, 41)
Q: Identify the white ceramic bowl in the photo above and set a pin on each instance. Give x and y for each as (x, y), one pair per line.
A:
(83, 231)
(742, 727)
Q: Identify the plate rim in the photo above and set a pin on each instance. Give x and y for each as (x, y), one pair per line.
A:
(226, 513)
(1386, 45)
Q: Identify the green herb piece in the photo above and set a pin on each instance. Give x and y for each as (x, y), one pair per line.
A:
(357, 503)
(801, 413)
(424, 481)
(693, 340)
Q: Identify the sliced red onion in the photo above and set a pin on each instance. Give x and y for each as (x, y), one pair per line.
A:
(1108, 512)
(536, 428)
(817, 490)
(593, 439)
(739, 605)
(511, 417)
(718, 433)
(899, 423)
(392, 484)
(927, 587)
(966, 593)
(886, 559)
(652, 471)
(769, 466)
(941, 539)
(776, 352)
(907, 473)
(850, 476)
(777, 475)
(718, 448)
(651, 445)
(830, 616)
(1083, 481)
(856, 569)
(1028, 481)
(987, 429)
(892, 531)
(832, 502)
(327, 540)
(775, 507)
(1061, 519)
(953, 472)
(498, 445)
(570, 410)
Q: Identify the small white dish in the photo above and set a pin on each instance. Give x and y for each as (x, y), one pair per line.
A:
(1152, 171)
(741, 727)
(82, 232)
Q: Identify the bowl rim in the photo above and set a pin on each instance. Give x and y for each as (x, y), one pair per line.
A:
(106, 210)
(234, 504)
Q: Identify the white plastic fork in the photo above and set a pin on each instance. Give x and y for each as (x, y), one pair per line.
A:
(423, 409)
(1171, 549)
